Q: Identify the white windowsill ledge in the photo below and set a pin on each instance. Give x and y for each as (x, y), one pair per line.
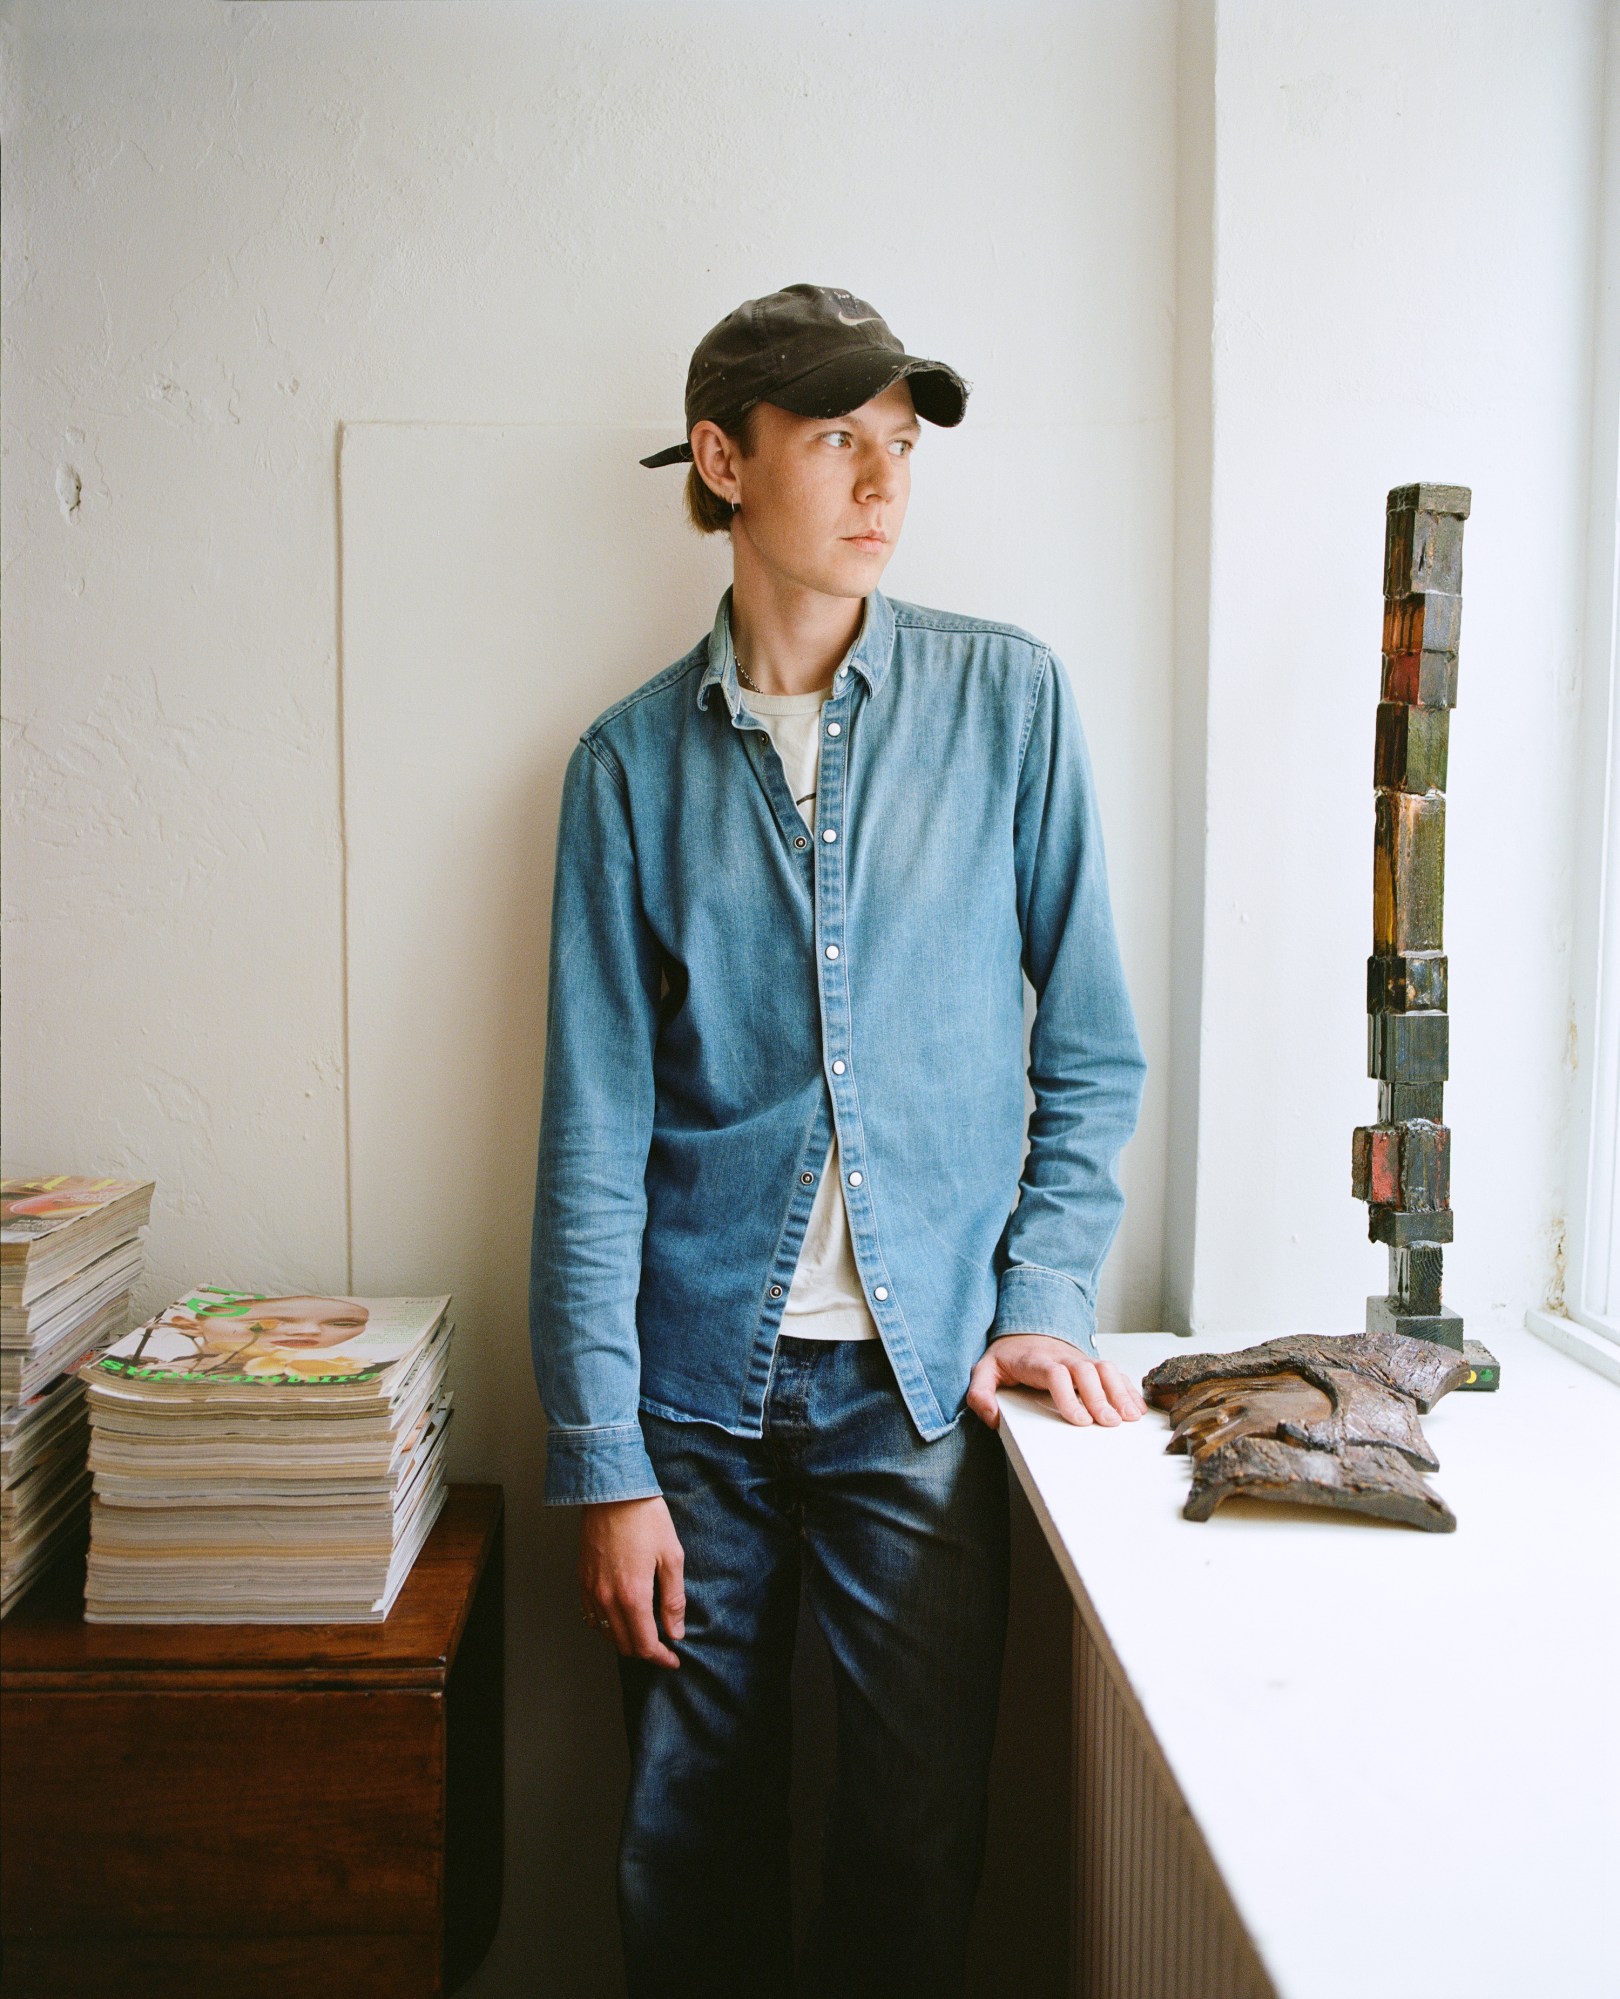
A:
(1579, 1342)
(1404, 1743)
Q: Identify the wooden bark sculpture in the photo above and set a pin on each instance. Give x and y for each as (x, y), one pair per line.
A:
(1333, 1422)
(1313, 1420)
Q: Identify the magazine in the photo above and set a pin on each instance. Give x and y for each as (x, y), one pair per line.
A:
(56, 1224)
(33, 1209)
(24, 1374)
(265, 1457)
(75, 1297)
(70, 1254)
(213, 1338)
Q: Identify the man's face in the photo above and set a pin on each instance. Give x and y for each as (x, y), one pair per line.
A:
(823, 498)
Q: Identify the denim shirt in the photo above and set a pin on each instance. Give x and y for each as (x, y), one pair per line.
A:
(728, 988)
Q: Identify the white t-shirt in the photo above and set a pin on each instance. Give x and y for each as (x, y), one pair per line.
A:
(825, 1300)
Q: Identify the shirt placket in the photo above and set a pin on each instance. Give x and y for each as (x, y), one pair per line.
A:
(834, 974)
(779, 1278)
(831, 943)
(840, 1108)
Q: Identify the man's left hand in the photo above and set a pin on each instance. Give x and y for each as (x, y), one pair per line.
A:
(1083, 1391)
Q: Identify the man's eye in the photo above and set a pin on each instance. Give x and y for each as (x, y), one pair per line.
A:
(905, 446)
(837, 436)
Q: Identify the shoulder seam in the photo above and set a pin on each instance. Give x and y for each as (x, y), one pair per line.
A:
(969, 628)
(1041, 665)
(607, 760)
(672, 673)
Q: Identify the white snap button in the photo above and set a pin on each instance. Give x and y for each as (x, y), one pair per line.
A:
(855, 1178)
(829, 834)
(832, 950)
(881, 1292)
(838, 1068)
(835, 728)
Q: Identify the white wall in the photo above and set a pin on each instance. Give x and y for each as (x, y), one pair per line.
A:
(232, 229)
(1403, 217)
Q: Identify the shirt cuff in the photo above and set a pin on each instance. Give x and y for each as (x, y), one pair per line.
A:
(590, 1466)
(1031, 1299)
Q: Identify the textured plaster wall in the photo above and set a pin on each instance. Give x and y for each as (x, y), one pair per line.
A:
(232, 228)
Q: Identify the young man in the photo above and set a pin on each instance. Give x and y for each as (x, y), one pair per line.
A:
(786, 1234)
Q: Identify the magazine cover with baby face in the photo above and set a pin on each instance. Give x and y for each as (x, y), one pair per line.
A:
(248, 1336)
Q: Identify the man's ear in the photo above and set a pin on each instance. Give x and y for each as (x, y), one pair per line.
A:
(713, 454)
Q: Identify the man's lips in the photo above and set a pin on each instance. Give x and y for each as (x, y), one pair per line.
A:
(872, 535)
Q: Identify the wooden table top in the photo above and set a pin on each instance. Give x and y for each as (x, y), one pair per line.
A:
(45, 1644)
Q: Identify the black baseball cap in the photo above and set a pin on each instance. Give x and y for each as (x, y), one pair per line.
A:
(811, 349)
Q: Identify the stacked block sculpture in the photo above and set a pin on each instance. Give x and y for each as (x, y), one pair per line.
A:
(1402, 1164)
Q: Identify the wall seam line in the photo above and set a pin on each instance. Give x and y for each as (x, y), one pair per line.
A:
(343, 881)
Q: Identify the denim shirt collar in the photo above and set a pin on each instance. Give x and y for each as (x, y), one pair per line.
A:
(869, 655)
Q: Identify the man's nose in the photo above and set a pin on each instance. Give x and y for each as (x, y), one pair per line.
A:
(881, 475)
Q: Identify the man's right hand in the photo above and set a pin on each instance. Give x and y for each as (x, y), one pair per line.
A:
(624, 1545)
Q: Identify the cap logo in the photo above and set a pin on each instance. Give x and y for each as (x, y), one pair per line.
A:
(865, 320)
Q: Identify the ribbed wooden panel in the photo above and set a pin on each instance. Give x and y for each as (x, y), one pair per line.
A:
(1152, 1917)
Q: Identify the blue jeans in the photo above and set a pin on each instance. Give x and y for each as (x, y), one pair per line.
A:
(902, 1547)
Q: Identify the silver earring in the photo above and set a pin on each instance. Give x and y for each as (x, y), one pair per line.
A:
(736, 506)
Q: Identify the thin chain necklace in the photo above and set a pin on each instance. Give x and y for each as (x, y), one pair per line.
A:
(743, 674)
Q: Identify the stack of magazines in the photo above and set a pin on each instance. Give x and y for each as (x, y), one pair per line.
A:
(69, 1255)
(262, 1460)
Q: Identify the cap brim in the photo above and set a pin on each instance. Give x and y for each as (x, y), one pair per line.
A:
(848, 380)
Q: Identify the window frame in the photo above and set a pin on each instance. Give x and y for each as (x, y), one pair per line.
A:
(1582, 1313)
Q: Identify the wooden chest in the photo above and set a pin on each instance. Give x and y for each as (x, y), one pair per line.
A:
(257, 1810)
